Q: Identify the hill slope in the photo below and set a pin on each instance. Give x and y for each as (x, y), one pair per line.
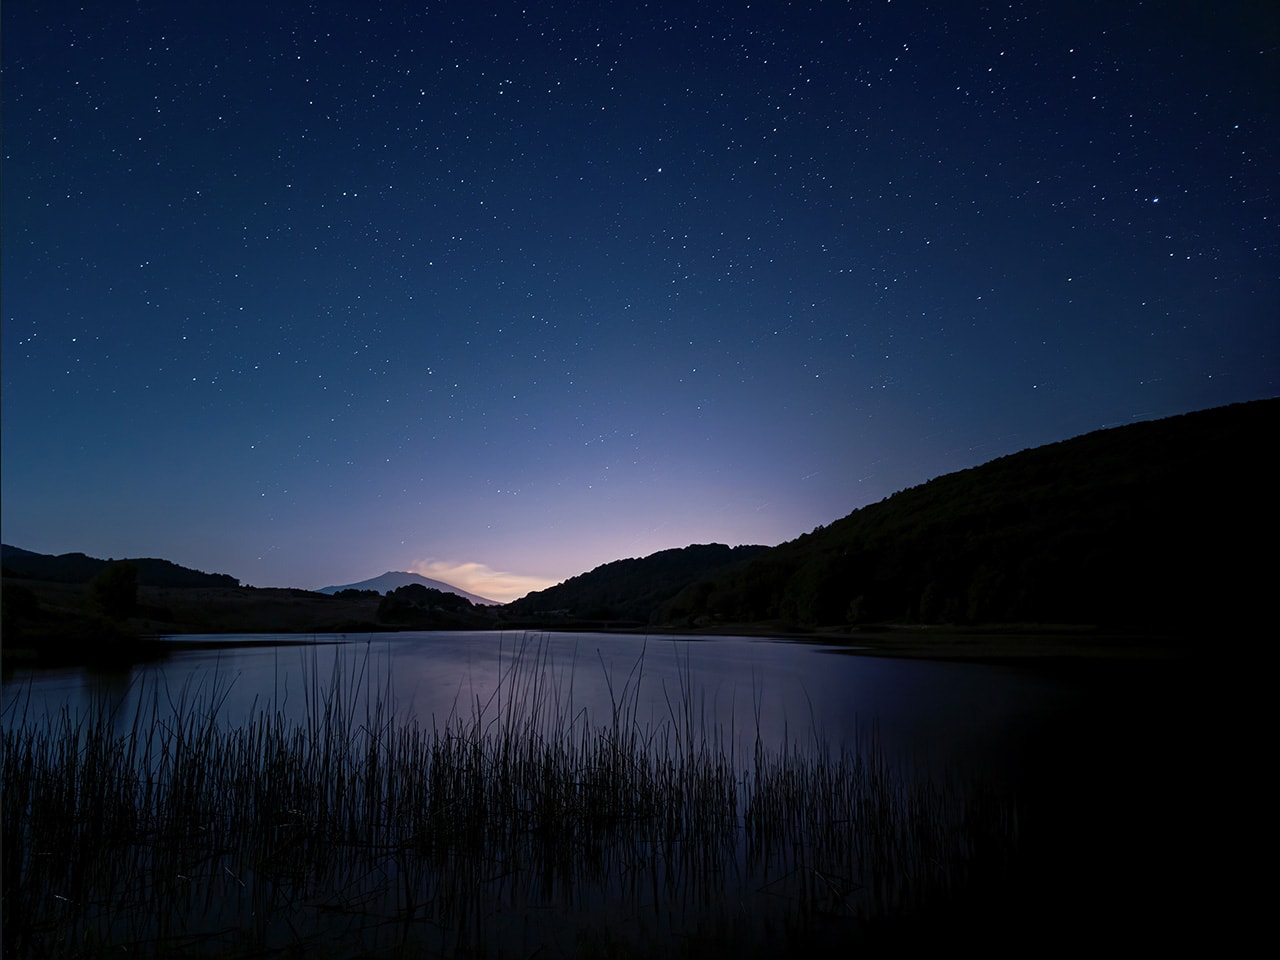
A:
(79, 568)
(1146, 525)
(633, 589)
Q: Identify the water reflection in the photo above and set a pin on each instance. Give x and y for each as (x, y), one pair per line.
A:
(695, 790)
(476, 794)
(743, 689)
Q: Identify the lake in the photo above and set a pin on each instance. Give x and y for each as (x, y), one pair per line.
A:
(787, 692)
(1075, 770)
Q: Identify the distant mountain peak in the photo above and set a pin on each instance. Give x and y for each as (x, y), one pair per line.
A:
(393, 580)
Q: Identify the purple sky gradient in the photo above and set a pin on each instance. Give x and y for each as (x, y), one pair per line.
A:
(502, 292)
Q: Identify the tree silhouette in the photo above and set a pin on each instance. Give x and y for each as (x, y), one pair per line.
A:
(115, 589)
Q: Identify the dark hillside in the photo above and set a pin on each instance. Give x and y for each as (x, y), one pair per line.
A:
(631, 589)
(79, 568)
(1167, 524)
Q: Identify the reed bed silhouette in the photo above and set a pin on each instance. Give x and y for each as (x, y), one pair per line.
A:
(515, 828)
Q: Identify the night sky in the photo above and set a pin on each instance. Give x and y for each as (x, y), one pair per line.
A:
(303, 292)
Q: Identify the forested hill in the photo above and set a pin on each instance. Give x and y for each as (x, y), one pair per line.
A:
(79, 568)
(1167, 524)
(632, 589)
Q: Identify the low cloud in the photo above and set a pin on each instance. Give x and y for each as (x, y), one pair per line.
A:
(481, 580)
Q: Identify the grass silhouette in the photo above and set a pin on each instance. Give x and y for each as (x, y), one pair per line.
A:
(517, 827)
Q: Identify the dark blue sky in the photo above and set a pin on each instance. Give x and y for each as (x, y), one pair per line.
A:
(308, 291)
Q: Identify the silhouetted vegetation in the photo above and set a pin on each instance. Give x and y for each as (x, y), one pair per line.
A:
(426, 608)
(633, 589)
(115, 590)
(516, 831)
(89, 623)
(18, 606)
(53, 623)
(1135, 527)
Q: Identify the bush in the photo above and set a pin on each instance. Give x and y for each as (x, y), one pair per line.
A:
(115, 590)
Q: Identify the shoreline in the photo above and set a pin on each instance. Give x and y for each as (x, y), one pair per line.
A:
(1022, 645)
(990, 643)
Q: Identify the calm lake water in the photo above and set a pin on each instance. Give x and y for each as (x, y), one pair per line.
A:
(1096, 753)
(921, 712)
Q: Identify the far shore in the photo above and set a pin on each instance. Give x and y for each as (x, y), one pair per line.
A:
(1026, 645)
(988, 643)
(991, 643)
(70, 631)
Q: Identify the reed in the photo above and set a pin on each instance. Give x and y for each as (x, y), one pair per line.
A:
(514, 827)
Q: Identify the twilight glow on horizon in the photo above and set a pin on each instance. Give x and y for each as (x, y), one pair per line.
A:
(500, 292)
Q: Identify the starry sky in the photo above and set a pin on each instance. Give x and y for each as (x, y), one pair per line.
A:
(304, 292)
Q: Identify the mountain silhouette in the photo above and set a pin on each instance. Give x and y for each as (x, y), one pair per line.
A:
(633, 589)
(80, 568)
(393, 580)
(1145, 526)
(1165, 525)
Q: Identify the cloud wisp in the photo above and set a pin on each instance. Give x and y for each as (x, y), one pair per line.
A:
(480, 579)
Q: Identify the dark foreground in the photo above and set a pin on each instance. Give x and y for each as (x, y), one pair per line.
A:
(1124, 809)
(522, 833)
(351, 836)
